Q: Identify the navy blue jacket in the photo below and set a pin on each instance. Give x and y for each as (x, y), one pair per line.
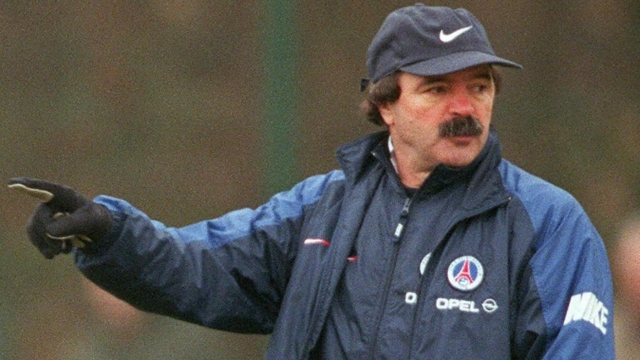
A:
(485, 262)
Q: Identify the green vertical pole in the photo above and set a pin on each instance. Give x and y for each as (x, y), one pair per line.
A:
(280, 95)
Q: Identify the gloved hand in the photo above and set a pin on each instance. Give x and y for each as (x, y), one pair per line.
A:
(64, 220)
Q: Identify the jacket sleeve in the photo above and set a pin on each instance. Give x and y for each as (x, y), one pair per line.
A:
(571, 272)
(228, 273)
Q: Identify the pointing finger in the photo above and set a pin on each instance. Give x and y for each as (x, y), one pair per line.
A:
(43, 195)
(61, 197)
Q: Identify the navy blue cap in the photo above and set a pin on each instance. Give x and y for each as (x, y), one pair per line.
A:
(426, 41)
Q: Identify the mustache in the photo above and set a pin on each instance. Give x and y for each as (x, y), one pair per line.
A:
(461, 126)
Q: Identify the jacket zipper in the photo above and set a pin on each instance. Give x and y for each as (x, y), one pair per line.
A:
(397, 236)
(404, 216)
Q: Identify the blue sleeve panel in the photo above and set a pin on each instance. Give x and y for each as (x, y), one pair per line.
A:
(570, 270)
(228, 273)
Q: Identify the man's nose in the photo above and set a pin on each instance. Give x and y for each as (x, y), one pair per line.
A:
(460, 103)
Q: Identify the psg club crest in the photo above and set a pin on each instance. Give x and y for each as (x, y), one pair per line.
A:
(465, 273)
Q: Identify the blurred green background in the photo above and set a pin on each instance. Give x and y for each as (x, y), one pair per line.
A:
(189, 109)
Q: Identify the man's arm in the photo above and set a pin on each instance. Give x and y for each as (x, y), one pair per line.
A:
(228, 273)
(572, 276)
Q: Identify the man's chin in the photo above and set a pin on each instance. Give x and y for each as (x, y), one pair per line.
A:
(462, 153)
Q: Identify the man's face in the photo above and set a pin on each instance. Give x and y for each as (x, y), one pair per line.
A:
(440, 119)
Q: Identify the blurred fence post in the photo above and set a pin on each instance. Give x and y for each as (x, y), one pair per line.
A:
(280, 95)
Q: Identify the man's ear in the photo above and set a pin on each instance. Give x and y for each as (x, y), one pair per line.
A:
(386, 113)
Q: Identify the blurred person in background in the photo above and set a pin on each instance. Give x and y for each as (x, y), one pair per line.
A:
(626, 271)
(425, 244)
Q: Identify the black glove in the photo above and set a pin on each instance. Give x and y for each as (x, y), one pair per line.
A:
(65, 219)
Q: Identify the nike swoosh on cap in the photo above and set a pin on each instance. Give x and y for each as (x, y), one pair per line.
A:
(445, 38)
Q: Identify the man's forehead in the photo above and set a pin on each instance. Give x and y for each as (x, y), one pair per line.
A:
(474, 73)
(477, 72)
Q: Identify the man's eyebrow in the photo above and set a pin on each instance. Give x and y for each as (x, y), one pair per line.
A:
(427, 80)
(484, 74)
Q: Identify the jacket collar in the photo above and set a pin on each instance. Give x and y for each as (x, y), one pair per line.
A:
(356, 156)
(360, 155)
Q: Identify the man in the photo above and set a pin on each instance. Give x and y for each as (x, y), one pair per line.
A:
(426, 244)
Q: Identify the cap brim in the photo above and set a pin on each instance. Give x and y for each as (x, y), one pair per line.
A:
(456, 62)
